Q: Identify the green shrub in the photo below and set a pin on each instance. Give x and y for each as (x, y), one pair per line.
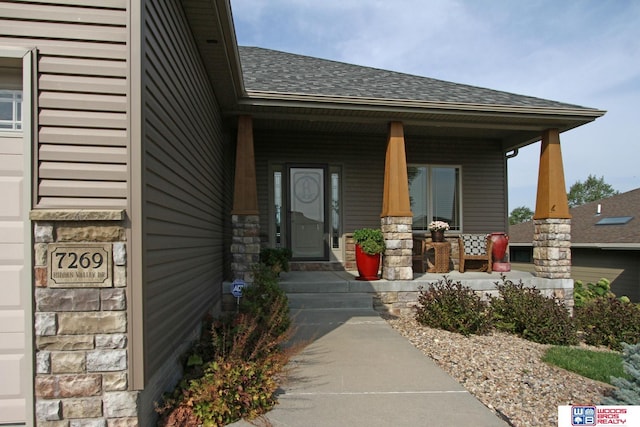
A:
(582, 293)
(233, 389)
(370, 240)
(609, 321)
(453, 307)
(628, 389)
(526, 312)
(239, 382)
(277, 259)
(232, 372)
(265, 300)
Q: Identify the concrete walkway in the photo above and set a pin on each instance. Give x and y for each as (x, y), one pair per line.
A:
(357, 371)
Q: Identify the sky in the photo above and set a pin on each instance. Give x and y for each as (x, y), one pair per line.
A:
(583, 52)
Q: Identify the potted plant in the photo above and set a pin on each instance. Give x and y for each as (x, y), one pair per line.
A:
(369, 246)
(437, 229)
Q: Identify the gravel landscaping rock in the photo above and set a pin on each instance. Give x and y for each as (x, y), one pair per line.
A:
(504, 372)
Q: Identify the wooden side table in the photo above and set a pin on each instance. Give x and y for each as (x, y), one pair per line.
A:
(441, 258)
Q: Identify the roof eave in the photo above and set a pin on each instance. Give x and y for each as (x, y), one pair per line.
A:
(520, 125)
(214, 33)
(265, 98)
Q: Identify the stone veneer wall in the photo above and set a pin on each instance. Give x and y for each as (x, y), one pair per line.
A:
(81, 342)
(402, 297)
(397, 260)
(552, 248)
(245, 245)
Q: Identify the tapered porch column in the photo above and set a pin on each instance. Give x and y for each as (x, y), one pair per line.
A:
(552, 221)
(245, 246)
(396, 216)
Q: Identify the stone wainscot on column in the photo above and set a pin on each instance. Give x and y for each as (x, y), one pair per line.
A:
(82, 373)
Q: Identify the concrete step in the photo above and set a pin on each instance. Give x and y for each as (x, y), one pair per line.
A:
(330, 300)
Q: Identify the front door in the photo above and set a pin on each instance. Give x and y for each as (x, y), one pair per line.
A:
(307, 213)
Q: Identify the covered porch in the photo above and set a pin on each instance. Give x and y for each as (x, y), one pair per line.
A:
(322, 156)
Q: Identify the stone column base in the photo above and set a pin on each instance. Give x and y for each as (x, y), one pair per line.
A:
(552, 248)
(245, 245)
(397, 259)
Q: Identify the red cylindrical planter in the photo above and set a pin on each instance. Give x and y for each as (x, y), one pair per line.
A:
(500, 242)
(368, 265)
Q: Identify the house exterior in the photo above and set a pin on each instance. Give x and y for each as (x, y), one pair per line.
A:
(145, 158)
(605, 242)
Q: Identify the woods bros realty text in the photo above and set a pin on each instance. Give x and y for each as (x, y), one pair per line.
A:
(589, 415)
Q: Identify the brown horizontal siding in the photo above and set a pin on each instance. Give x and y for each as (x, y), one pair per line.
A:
(40, 11)
(362, 160)
(83, 189)
(84, 171)
(79, 136)
(82, 101)
(69, 48)
(82, 97)
(69, 118)
(186, 186)
(71, 83)
(72, 202)
(621, 267)
(76, 153)
(88, 67)
(65, 31)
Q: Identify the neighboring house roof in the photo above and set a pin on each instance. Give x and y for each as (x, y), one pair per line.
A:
(274, 71)
(585, 230)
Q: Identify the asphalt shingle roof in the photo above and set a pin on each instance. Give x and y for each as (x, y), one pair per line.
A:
(275, 71)
(584, 218)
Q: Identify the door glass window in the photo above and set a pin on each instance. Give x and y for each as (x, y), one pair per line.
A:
(335, 210)
(277, 206)
(307, 212)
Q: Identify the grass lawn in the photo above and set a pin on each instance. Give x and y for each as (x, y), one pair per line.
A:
(597, 365)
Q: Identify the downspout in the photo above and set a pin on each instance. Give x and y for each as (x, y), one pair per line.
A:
(508, 155)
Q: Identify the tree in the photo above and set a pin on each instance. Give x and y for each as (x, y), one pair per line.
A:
(520, 214)
(590, 190)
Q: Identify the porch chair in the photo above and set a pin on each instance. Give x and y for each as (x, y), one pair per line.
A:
(475, 247)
